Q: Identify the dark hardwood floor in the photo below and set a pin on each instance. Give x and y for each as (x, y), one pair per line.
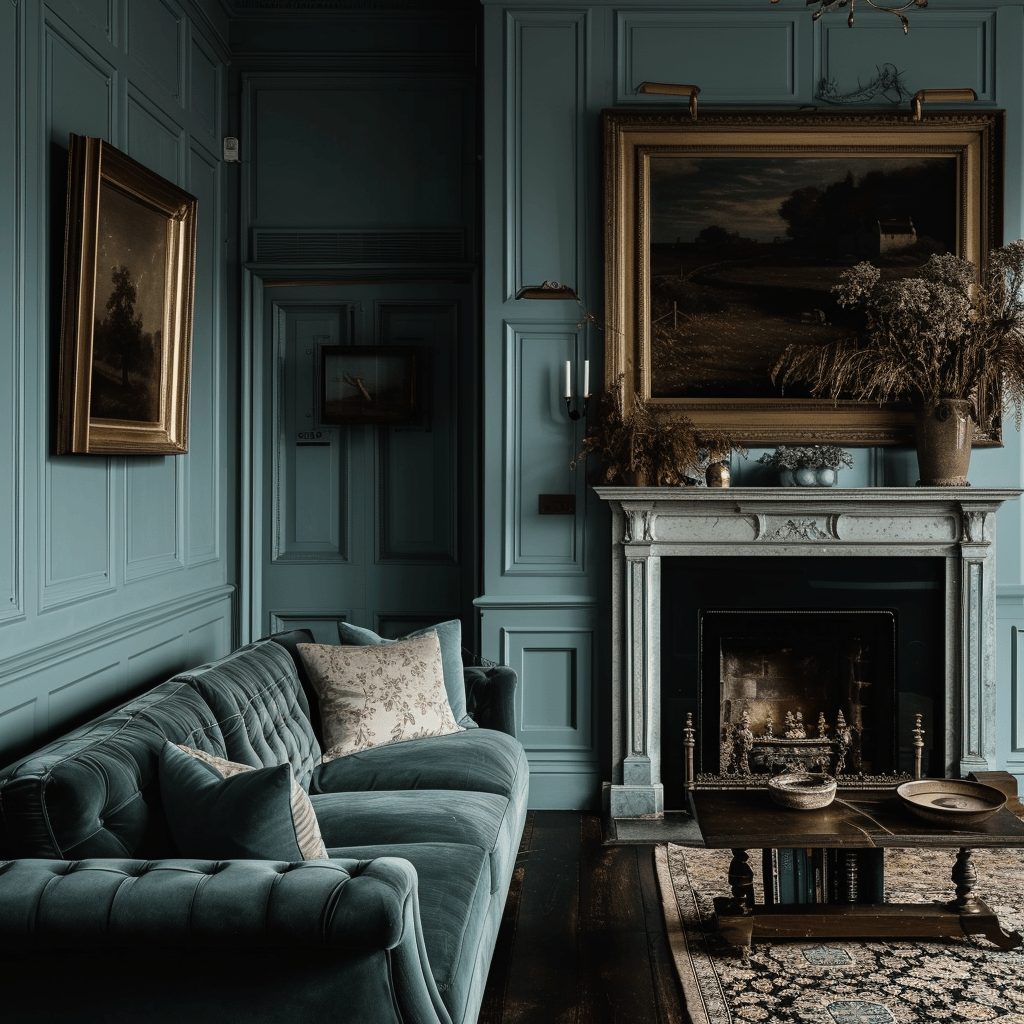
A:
(583, 938)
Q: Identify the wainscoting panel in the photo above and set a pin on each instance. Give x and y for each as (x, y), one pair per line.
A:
(46, 692)
(545, 145)
(204, 85)
(80, 521)
(541, 442)
(714, 51)
(155, 140)
(552, 650)
(154, 525)
(156, 42)
(943, 50)
(80, 91)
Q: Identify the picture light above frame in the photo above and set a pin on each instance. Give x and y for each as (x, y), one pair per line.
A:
(726, 234)
(126, 329)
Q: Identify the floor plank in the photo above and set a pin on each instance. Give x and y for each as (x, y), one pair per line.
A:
(582, 940)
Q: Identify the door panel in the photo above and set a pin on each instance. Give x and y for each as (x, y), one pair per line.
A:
(362, 521)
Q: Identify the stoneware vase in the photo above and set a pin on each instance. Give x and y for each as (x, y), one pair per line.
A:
(807, 476)
(944, 443)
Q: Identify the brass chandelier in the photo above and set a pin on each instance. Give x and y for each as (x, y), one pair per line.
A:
(825, 6)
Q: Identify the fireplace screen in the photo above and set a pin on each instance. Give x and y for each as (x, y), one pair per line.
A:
(797, 690)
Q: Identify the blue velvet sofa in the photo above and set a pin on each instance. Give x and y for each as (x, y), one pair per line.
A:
(100, 920)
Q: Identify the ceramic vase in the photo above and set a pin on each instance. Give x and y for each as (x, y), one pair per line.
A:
(806, 476)
(944, 443)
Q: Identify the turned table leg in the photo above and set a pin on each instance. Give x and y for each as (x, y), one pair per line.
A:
(965, 877)
(741, 881)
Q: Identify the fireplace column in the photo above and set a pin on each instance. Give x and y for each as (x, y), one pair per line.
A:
(639, 792)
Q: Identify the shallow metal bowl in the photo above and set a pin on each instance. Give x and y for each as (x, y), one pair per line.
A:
(951, 801)
(803, 791)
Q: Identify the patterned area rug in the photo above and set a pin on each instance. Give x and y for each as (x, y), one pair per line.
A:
(847, 981)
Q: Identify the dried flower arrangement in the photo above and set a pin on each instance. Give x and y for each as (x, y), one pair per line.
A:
(934, 336)
(639, 447)
(814, 456)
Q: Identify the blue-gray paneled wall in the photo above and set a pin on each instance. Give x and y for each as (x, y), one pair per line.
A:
(548, 72)
(114, 571)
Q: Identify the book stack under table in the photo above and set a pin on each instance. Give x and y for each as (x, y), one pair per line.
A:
(819, 875)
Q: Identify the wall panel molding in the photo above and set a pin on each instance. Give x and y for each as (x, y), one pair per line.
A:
(72, 646)
(703, 49)
(546, 148)
(154, 516)
(540, 443)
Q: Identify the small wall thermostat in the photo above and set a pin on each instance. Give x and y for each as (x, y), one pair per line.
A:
(230, 150)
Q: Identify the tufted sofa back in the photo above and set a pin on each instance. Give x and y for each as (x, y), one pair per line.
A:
(95, 792)
(260, 707)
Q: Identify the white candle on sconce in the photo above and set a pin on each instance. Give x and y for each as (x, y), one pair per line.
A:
(586, 378)
(568, 382)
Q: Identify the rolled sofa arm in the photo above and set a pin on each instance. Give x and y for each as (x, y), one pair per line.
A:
(490, 696)
(359, 914)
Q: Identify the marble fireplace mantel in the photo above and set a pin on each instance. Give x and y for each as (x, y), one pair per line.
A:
(650, 523)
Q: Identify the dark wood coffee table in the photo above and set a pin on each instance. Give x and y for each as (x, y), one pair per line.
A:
(740, 820)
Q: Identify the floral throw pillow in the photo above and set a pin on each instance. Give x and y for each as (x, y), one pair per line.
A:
(386, 693)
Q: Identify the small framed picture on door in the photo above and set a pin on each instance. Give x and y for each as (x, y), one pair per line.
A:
(368, 384)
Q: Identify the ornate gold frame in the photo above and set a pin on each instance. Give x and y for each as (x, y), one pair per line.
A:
(633, 137)
(99, 176)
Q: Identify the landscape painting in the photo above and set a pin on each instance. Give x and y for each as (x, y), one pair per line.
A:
(725, 236)
(744, 253)
(126, 321)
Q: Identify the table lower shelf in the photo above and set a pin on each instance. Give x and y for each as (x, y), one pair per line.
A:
(742, 925)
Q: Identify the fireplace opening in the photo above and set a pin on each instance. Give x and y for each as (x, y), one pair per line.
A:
(819, 663)
(809, 690)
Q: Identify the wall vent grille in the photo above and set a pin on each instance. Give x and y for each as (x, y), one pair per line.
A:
(360, 248)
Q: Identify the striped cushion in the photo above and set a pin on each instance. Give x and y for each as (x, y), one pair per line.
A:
(307, 830)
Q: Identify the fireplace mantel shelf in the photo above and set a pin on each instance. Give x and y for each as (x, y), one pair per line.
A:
(956, 524)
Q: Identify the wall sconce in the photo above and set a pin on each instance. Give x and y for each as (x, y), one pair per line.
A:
(824, 6)
(548, 290)
(575, 414)
(554, 290)
(923, 96)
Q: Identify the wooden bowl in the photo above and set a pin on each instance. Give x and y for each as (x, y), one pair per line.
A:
(951, 802)
(803, 791)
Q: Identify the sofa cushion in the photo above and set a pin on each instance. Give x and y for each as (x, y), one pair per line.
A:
(247, 814)
(94, 791)
(449, 635)
(262, 709)
(376, 695)
(307, 830)
(487, 820)
(477, 760)
(453, 890)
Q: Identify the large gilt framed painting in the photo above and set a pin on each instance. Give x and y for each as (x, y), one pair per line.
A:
(126, 328)
(726, 235)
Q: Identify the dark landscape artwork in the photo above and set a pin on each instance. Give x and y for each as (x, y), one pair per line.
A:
(131, 268)
(744, 252)
(368, 384)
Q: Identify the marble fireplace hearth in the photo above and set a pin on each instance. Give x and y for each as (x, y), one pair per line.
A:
(956, 525)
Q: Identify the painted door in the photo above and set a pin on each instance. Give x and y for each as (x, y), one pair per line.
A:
(365, 521)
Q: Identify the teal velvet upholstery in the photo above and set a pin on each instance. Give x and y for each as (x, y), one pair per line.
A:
(263, 711)
(398, 925)
(246, 816)
(94, 792)
(477, 761)
(449, 636)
